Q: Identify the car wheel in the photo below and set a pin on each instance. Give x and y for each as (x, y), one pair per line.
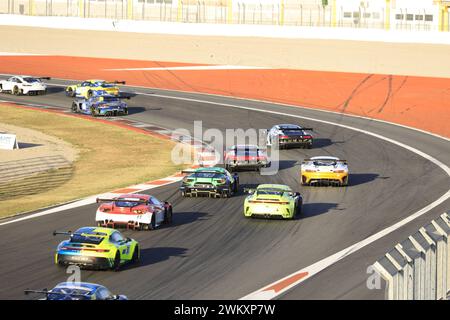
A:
(93, 112)
(298, 209)
(310, 146)
(70, 92)
(1, 88)
(16, 91)
(136, 256)
(116, 265)
(168, 216)
(152, 225)
(89, 94)
(74, 107)
(236, 186)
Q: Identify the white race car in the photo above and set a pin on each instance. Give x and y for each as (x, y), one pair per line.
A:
(133, 211)
(324, 170)
(19, 85)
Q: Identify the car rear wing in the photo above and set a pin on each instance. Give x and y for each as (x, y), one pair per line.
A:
(307, 129)
(47, 292)
(312, 160)
(137, 201)
(44, 78)
(66, 233)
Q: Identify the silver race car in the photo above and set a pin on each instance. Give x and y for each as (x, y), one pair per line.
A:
(289, 135)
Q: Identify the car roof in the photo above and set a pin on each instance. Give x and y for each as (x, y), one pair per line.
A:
(92, 287)
(95, 80)
(94, 230)
(324, 158)
(274, 186)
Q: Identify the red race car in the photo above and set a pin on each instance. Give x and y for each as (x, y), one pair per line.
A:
(133, 211)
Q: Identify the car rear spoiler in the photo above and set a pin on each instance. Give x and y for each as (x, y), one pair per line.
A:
(99, 200)
(117, 82)
(46, 292)
(310, 160)
(44, 78)
(67, 233)
(307, 129)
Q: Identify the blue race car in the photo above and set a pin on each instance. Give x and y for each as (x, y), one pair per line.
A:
(100, 105)
(78, 291)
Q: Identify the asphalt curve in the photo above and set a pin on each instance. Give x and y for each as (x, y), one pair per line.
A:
(211, 251)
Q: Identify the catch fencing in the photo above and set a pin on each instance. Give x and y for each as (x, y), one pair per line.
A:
(419, 267)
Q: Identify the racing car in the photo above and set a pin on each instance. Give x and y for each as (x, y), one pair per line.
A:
(20, 85)
(133, 211)
(245, 157)
(101, 105)
(289, 135)
(96, 248)
(272, 201)
(78, 291)
(324, 170)
(214, 182)
(91, 88)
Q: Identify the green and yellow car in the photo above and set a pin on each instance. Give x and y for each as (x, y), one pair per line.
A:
(214, 182)
(90, 88)
(97, 248)
(272, 201)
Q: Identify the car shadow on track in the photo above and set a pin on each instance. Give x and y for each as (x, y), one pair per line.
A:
(135, 110)
(314, 209)
(55, 90)
(154, 255)
(356, 179)
(180, 218)
(324, 142)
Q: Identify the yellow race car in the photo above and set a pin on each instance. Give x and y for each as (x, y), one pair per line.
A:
(324, 170)
(90, 88)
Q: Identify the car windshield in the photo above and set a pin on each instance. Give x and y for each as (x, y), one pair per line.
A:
(208, 175)
(274, 192)
(31, 80)
(69, 294)
(89, 239)
(127, 203)
(110, 99)
(246, 152)
(324, 162)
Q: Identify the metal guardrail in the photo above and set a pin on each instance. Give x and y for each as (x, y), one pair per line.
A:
(419, 267)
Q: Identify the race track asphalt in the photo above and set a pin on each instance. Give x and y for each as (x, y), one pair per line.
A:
(211, 251)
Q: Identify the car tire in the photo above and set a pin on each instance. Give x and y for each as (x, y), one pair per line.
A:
(1, 88)
(236, 186)
(16, 91)
(152, 224)
(116, 265)
(70, 92)
(168, 216)
(136, 255)
(89, 94)
(309, 146)
(74, 108)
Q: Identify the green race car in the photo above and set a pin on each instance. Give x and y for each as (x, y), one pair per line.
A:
(213, 182)
(98, 248)
(273, 201)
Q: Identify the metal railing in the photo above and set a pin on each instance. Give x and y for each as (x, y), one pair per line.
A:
(419, 267)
